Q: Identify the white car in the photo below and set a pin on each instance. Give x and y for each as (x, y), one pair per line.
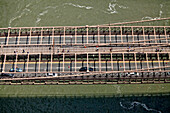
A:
(52, 74)
(132, 74)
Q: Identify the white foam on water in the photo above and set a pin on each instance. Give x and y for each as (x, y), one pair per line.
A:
(51, 7)
(25, 11)
(38, 20)
(160, 13)
(78, 6)
(112, 7)
(133, 104)
(39, 16)
(44, 12)
(151, 18)
(123, 7)
(28, 5)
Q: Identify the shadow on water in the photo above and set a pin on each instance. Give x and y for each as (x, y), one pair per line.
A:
(86, 104)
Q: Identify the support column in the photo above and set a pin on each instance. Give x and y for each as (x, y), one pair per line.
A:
(75, 35)
(30, 36)
(4, 64)
(132, 35)
(99, 61)
(63, 61)
(144, 35)
(64, 36)
(87, 33)
(111, 60)
(41, 35)
(135, 61)
(53, 40)
(154, 34)
(16, 61)
(110, 35)
(8, 37)
(27, 61)
(123, 61)
(98, 30)
(39, 62)
(75, 62)
(19, 36)
(121, 34)
(87, 62)
(166, 35)
(159, 61)
(51, 62)
(147, 61)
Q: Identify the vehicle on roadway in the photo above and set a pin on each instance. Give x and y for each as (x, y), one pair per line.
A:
(52, 74)
(167, 73)
(85, 69)
(132, 74)
(17, 70)
(6, 75)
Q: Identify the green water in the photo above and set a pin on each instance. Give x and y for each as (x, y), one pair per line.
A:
(123, 98)
(16, 13)
(154, 104)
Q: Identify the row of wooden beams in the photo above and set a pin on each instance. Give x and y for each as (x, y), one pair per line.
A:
(99, 54)
(139, 42)
(98, 29)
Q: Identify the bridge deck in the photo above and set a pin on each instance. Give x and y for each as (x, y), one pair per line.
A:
(64, 50)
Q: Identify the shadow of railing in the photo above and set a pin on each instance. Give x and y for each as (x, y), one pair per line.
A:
(88, 95)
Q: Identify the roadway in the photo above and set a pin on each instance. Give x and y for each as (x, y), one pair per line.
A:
(82, 39)
(121, 50)
(70, 66)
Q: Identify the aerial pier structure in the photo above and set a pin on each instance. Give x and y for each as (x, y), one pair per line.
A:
(111, 54)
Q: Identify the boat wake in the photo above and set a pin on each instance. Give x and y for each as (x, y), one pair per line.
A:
(133, 104)
(78, 6)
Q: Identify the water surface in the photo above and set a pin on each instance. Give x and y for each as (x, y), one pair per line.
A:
(16, 13)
